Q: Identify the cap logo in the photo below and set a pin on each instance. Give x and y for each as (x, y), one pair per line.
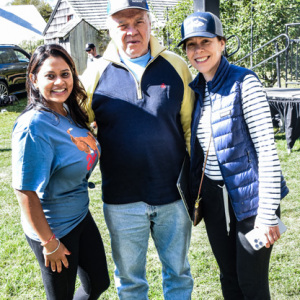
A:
(198, 23)
(195, 22)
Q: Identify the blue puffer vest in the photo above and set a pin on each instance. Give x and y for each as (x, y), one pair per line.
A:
(234, 147)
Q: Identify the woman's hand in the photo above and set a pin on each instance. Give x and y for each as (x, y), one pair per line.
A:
(58, 258)
(32, 209)
(271, 232)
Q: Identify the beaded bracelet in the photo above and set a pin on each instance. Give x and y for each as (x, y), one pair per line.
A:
(53, 250)
(52, 238)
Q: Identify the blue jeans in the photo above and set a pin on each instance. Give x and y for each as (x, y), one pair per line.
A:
(170, 227)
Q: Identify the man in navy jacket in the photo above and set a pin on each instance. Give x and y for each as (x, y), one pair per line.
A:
(141, 102)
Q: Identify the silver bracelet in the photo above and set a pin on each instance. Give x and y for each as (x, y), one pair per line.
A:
(53, 250)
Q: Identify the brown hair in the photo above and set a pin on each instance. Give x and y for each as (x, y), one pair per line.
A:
(78, 95)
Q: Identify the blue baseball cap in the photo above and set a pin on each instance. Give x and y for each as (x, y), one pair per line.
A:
(114, 6)
(202, 24)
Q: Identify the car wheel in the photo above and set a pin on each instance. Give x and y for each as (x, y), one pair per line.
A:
(3, 89)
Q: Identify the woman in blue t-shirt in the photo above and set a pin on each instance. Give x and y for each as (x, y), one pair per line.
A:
(53, 155)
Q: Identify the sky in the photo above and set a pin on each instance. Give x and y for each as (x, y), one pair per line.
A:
(51, 2)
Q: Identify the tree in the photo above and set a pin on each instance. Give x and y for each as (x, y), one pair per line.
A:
(43, 7)
(174, 17)
(30, 46)
(267, 17)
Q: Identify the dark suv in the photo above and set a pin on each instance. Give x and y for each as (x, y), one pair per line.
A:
(13, 65)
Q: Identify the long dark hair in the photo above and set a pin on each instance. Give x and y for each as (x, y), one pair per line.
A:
(35, 99)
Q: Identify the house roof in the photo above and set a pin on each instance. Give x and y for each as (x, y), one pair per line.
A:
(94, 11)
(21, 22)
(69, 27)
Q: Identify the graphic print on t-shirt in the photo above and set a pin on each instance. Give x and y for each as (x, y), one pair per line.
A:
(88, 145)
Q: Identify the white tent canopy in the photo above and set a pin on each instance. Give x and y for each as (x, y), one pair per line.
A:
(19, 23)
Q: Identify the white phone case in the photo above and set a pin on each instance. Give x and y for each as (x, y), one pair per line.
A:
(257, 238)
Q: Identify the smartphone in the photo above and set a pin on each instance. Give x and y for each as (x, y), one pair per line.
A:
(257, 237)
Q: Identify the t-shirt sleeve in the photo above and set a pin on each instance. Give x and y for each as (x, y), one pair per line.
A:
(31, 161)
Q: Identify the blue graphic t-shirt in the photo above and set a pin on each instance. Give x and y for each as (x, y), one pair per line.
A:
(55, 158)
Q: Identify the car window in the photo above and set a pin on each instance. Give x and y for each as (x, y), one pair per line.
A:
(8, 56)
(2, 54)
(21, 56)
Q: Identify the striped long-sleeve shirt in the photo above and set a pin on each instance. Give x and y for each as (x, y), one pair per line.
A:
(258, 119)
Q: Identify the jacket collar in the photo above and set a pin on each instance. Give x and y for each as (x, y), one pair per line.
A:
(112, 54)
(198, 84)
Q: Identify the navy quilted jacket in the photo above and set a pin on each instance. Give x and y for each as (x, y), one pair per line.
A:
(233, 144)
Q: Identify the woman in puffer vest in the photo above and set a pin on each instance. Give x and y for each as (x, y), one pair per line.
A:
(242, 185)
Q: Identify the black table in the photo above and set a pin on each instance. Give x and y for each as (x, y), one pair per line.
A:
(286, 102)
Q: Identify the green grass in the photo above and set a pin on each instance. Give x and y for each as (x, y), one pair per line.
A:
(20, 276)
